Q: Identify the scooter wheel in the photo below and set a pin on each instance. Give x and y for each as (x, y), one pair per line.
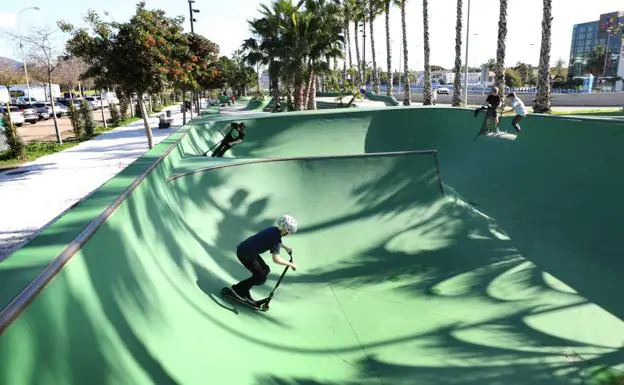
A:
(264, 307)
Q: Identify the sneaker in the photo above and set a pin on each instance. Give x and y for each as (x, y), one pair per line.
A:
(249, 299)
(237, 294)
(245, 297)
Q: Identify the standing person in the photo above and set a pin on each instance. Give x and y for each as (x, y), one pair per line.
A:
(232, 138)
(248, 253)
(493, 101)
(518, 106)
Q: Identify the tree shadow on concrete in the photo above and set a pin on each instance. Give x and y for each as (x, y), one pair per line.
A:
(469, 262)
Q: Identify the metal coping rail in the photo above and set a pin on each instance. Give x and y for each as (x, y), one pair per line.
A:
(234, 163)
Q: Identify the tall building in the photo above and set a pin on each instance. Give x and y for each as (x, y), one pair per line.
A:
(587, 36)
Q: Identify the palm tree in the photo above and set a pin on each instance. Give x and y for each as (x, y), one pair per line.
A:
(456, 102)
(266, 48)
(407, 93)
(297, 42)
(543, 100)
(358, 15)
(427, 94)
(323, 45)
(388, 47)
(499, 70)
(346, 17)
(374, 10)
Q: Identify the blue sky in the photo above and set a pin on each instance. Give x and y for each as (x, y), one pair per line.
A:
(226, 25)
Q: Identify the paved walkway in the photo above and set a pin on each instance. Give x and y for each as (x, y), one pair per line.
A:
(38, 192)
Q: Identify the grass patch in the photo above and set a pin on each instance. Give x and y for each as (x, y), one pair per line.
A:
(594, 112)
(101, 129)
(34, 150)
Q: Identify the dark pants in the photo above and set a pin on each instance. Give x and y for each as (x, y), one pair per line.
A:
(515, 122)
(259, 272)
(221, 149)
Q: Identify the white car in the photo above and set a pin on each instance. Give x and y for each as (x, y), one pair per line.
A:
(17, 116)
(443, 91)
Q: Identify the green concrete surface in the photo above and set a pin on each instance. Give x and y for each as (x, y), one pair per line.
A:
(257, 105)
(487, 262)
(23, 265)
(388, 100)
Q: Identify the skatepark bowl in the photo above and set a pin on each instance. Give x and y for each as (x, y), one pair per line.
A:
(424, 258)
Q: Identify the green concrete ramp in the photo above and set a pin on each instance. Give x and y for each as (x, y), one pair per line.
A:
(397, 284)
(424, 258)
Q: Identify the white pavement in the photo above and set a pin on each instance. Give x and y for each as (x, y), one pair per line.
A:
(53, 183)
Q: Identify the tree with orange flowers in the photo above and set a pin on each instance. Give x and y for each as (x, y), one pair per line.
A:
(142, 55)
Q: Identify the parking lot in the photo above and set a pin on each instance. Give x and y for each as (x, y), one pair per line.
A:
(44, 129)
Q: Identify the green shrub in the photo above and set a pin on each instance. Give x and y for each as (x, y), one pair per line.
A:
(260, 95)
(75, 117)
(13, 140)
(87, 118)
(115, 118)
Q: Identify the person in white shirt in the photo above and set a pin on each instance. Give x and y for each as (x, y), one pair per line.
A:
(518, 106)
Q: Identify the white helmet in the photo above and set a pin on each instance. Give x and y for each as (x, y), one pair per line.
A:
(288, 223)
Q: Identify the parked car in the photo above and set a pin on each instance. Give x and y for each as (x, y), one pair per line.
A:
(60, 109)
(16, 115)
(97, 102)
(3, 143)
(66, 102)
(44, 109)
(25, 100)
(30, 114)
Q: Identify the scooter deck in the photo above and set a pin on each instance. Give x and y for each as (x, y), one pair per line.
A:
(227, 292)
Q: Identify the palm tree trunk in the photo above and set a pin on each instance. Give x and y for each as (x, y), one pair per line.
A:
(543, 100)
(346, 47)
(311, 105)
(371, 19)
(456, 102)
(407, 91)
(289, 96)
(388, 49)
(499, 70)
(357, 50)
(427, 88)
(298, 97)
(349, 44)
(306, 87)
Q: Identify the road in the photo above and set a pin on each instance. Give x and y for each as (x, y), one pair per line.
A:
(44, 129)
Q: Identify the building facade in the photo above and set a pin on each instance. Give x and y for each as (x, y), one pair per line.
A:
(588, 36)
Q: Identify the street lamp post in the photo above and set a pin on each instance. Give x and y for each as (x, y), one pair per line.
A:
(22, 48)
(192, 19)
(466, 69)
(191, 10)
(363, 30)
